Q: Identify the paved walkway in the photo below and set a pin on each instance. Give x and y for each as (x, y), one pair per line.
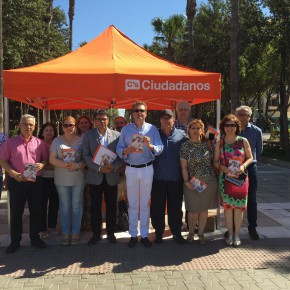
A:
(255, 265)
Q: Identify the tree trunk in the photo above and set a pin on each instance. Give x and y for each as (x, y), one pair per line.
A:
(190, 13)
(48, 19)
(284, 101)
(234, 55)
(71, 14)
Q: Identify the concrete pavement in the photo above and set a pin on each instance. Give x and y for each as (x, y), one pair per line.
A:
(255, 265)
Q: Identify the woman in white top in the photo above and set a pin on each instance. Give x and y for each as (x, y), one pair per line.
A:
(69, 179)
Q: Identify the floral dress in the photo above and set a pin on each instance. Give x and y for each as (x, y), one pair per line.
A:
(232, 196)
(199, 164)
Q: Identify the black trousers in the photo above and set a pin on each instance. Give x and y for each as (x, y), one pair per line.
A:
(110, 194)
(172, 193)
(20, 192)
(50, 204)
(252, 193)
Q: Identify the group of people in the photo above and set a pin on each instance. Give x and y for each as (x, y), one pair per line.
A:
(173, 162)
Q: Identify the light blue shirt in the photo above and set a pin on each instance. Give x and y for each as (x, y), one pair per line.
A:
(146, 156)
(103, 138)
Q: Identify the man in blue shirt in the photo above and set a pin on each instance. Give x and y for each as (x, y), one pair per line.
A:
(167, 181)
(138, 145)
(255, 138)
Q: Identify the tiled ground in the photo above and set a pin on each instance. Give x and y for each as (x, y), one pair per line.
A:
(271, 251)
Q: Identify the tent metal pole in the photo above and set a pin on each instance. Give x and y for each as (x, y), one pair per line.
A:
(218, 119)
(46, 116)
(6, 131)
(6, 116)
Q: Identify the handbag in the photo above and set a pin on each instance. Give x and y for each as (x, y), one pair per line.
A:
(236, 181)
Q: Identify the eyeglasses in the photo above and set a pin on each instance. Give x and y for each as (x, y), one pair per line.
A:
(230, 125)
(139, 111)
(68, 125)
(102, 119)
(243, 115)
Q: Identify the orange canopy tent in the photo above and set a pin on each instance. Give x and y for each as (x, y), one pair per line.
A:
(110, 71)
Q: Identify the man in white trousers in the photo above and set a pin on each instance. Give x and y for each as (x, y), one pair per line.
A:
(139, 170)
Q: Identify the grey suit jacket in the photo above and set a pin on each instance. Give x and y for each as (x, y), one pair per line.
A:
(91, 140)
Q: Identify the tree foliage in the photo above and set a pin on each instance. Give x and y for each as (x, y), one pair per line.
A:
(25, 33)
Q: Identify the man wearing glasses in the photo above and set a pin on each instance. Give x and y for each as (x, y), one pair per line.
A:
(15, 153)
(255, 138)
(102, 179)
(138, 145)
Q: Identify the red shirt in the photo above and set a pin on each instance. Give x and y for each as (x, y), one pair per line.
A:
(17, 152)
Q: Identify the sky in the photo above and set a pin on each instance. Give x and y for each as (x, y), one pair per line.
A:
(132, 17)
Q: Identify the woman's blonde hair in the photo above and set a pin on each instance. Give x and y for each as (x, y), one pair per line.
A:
(200, 124)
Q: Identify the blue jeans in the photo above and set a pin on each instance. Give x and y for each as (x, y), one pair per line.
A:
(252, 203)
(70, 199)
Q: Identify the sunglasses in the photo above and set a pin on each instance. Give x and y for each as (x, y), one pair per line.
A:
(139, 111)
(230, 125)
(102, 119)
(68, 125)
(243, 115)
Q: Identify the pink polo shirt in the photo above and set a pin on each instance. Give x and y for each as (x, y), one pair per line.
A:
(17, 152)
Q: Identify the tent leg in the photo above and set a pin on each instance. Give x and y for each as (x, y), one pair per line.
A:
(218, 119)
(46, 116)
(6, 116)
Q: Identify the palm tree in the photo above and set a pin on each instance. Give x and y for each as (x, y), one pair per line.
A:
(169, 31)
(234, 55)
(1, 72)
(71, 14)
(190, 13)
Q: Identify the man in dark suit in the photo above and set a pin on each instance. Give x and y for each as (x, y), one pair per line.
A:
(102, 178)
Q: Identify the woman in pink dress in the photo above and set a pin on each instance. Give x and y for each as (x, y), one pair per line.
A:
(232, 149)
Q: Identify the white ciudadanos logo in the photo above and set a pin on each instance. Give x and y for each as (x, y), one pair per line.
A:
(150, 85)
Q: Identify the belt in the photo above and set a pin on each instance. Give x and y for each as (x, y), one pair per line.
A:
(140, 165)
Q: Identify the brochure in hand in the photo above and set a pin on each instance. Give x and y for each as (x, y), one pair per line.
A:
(138, 142)
(233, 167)
(104, 156)
(211, 133)
(30, 171)
(197, 184)
(68, 155)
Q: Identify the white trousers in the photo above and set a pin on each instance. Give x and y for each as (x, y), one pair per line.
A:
(139, 185)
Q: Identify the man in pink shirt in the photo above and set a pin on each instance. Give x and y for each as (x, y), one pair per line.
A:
(15, 153)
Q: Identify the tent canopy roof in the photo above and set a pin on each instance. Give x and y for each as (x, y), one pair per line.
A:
(109, 71)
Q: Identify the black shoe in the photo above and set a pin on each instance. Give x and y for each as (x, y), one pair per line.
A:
(158, 238)
(112, 239)
(146, 243)
(253, 234)
(226, 234)
(38, 243)
(179, 239)
(133, 242)
(13, 247)
(93, 240)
